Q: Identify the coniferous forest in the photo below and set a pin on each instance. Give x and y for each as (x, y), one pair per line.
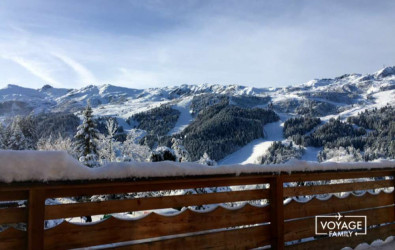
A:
(217, 130)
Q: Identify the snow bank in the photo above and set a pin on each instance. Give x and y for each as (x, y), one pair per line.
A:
(58, 165)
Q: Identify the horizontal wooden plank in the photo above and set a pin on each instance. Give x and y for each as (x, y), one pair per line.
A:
(13, 215)
(336, 175)
(336, 188)
(168, 183)
(117, 206)
(68, 235)
(13, 239)
(13, 195)
(243, 238)
(148, 186)
(304, 228)
(314, 207)
(340, 242)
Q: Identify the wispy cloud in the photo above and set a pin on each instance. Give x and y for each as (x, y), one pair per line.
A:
(84, 74)
(136, 78)
(35, 69)
(156, 43)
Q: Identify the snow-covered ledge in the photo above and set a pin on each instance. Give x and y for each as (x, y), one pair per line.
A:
(58, 165)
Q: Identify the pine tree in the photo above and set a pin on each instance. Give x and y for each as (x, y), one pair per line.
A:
(28, 127)
(86, 140)
(205, 160)
(163, 154)
(16, 139)
(180, 151)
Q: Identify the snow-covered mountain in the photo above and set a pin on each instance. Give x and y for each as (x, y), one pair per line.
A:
(342, 96)
(344, 91)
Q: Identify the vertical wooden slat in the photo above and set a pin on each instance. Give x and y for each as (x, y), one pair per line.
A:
(35, 227)
(277, 212)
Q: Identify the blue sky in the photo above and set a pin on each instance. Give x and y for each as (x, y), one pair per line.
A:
(153, 43)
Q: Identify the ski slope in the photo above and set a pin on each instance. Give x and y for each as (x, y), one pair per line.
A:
(185, 116)
(257, 148)
(381, 99)
(310, 153)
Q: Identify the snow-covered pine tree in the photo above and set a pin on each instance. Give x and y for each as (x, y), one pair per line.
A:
(86, 140)
(180, 151)
(16, 140)
(28, 127)
(205, 160)
(163, 154)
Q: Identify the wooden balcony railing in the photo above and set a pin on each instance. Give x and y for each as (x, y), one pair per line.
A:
(278, 224)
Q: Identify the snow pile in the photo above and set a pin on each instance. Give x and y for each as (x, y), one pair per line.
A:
(39, 165)
(58, 165)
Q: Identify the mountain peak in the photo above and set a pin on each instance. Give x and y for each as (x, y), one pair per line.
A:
(13, 86)
(385, 72)
(46, 87)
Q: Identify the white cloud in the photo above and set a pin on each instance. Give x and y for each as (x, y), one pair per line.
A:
(136, 78)
(84, 74)
(35, 68)
(258, 43)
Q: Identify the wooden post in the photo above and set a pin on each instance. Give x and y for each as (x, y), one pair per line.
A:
(393, 185)
(277, 212)
(35, 224)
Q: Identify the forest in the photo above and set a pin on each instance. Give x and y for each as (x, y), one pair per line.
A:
(219, 128)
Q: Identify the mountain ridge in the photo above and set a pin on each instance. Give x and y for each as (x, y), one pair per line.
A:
(63, 99)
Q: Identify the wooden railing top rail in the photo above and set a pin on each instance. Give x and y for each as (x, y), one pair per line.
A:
(238, 178)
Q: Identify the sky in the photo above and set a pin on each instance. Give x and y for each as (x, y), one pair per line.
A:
(155, 43)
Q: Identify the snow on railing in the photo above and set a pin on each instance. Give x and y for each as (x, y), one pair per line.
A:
(58, 165)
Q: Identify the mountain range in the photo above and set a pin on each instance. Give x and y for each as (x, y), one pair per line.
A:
(343, 96)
